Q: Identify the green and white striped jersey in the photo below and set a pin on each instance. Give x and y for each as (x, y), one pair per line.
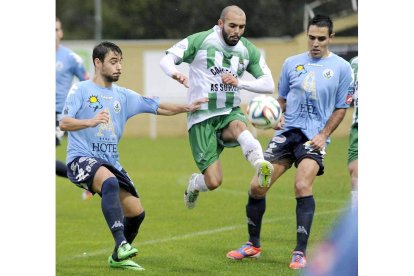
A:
(354, 65)
(209, 57)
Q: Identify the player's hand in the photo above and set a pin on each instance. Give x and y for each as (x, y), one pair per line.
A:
(181, 78)
(228, 78)
(318, 142)
(101, 118)
(281, 123)
(197, 104)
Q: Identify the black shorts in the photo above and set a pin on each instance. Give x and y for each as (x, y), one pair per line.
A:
(82, 170)
(291, 145)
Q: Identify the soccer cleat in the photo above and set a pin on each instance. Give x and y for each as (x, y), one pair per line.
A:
(191, 194)
(264, 172)
(247, 250)
(125, 251)
(125, 264)
(298, 260)
(86, 195)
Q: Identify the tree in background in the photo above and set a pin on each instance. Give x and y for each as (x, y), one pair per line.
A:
(173, 19)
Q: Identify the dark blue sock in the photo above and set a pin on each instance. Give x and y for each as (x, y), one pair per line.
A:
(112, 210)
(305, 209)
(61, 169)
(131, 226)
(255, 209)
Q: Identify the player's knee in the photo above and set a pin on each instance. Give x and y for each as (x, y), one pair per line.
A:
(110, 185)
(303, 188)
(213, 182)
(258, 192)
(140, 216)
(233, 131)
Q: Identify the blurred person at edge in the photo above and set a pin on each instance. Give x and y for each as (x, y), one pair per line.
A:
(69, 66)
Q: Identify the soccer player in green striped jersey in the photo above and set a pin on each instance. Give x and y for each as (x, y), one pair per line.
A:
(217, 59)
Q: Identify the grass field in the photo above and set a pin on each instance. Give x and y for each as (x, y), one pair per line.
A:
(176, 241)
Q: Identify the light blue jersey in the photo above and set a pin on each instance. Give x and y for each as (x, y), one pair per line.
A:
(313, 88)
(84, 101)
(68, 65)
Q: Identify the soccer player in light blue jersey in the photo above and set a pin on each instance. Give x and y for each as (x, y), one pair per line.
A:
(217, 59)
(314, 90)
(94, 114)
(68, 66)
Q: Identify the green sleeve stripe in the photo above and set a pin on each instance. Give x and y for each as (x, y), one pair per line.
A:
(194, 43)
(254, 59)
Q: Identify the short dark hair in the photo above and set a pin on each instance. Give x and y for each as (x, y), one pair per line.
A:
(103, 48)
(322, 21)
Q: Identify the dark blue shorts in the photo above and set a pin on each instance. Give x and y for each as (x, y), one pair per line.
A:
(82, 170)
(290, 145)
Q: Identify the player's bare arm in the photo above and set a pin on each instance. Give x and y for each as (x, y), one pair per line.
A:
(262, 85)
(72, 124)
(319, 141)
(169, 109)
(281, 124)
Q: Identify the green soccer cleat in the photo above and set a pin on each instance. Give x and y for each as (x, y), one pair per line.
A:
(125, 264)
(126, 251)
(264, 172)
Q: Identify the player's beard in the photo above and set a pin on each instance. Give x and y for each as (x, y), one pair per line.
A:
(111, 78)
(231, 42)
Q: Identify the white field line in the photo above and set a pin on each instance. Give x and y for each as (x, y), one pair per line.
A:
(191, 235)
(245, 193)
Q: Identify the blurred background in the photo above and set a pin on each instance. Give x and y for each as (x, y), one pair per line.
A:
(144, 29)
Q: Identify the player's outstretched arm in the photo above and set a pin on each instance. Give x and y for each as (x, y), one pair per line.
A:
(169, 109)
(262, 85)
(72, 124)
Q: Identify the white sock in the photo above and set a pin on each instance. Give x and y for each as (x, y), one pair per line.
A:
(200, 184)
(250, 146)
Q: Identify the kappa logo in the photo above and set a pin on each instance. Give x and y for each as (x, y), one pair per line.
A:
(201, 157)
(250, 222)
(301, 229)
(116, 224)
